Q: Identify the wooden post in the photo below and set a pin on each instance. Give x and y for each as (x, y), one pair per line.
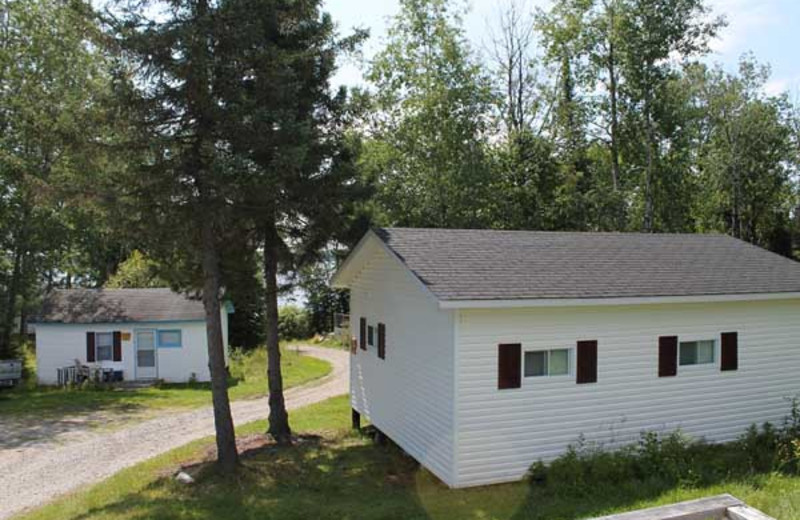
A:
(356, 418)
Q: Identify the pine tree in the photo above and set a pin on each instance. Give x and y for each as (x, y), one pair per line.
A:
(286, 128)
(182, 187)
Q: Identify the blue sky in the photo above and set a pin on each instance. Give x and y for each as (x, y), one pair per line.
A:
(768, 28)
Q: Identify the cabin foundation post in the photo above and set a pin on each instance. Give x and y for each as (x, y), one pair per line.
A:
(356, 419)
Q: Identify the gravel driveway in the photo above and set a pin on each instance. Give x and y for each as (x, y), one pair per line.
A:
(34, 475)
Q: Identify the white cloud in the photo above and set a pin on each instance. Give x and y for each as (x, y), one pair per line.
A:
(776, 86)
(745, 19)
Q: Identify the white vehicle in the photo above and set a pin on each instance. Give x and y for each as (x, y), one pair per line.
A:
(10, 372)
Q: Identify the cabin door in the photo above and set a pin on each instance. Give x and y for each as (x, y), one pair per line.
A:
(146, 355)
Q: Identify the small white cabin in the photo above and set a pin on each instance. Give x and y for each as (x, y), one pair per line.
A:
(146, 334)
(482, 352)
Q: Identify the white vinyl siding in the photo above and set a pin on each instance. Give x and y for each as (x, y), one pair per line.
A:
(409, 395)
(501, 433)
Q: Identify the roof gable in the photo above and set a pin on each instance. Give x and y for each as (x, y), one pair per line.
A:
(118, 306)
(468, 265)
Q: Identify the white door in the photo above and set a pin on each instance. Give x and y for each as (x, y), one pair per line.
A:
(146, 355)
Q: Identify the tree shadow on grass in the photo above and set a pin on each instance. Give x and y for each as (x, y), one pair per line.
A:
(347, 478)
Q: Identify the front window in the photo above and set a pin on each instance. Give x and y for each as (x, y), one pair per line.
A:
(371, 336)
(169, 339)
(696, 352)
(547, 362)
(104, 342)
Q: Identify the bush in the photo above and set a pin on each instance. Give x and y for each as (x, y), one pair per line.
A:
(293, 323)
(663, 461)
(247, 365)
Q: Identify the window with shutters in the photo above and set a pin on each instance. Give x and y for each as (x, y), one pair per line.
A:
(104, 343)
(698, 352)
(555, 362)
(371, 336)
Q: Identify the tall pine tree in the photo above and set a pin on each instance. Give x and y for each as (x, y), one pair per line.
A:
(182, 187)
(287, 130)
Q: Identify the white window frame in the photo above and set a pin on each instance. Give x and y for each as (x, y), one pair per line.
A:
(97, 357)
(698, 366)
(570, 363)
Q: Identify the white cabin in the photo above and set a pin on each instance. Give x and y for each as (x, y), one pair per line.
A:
(146, 334)
(482, 352)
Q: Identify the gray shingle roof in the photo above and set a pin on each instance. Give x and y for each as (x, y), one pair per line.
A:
(458, 264)
(117, 305)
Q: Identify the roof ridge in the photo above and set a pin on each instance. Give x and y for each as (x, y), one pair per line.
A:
(554, 232)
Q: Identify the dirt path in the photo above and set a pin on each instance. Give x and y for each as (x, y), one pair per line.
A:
(33, 475)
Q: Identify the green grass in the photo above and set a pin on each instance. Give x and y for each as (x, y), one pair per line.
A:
(248, 380)
(335, 474)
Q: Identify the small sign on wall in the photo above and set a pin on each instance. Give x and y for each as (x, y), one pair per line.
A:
(126, 336)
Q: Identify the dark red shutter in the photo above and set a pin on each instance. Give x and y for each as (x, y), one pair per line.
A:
(667, 356)
(90, 347)
(381, 341)
(363, 333)
(117, 346)
(586, 371)
(509, 366)
(730, 351)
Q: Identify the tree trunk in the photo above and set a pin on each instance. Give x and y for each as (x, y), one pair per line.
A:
(648, 186)
(278, 417)
(227, 455)
(612, 93)
(6, 350)
(21, 238)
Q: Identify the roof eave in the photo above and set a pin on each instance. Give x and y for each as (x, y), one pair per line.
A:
(586, 302)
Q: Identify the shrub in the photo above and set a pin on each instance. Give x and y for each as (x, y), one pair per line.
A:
(788, 442)
(247, 365)
(293, 323)
(663, 461)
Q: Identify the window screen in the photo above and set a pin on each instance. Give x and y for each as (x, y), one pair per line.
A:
(104, 342)
(146, 358)
(696, 352)
(536, 363)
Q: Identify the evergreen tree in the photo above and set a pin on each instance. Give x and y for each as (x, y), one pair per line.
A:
(287, 131)
(182, 189)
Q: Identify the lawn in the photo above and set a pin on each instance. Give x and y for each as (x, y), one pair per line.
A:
(336, 474)
(248, 380)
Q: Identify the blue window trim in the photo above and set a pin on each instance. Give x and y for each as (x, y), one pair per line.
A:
(179, 344)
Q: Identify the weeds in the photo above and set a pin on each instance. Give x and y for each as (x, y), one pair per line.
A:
(674, 459)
